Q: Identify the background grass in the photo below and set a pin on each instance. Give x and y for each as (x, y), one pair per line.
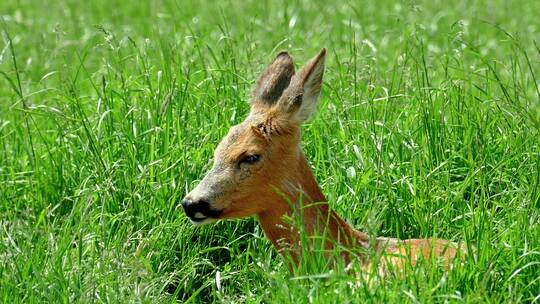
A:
(110, 110)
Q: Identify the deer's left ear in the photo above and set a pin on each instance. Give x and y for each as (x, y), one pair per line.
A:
(300, 99)
(272, 82)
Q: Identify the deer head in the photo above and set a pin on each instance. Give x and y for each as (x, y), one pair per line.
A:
(259, 159)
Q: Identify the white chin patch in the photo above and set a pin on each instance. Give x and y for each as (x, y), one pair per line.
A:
(207, 220)
(199, 216)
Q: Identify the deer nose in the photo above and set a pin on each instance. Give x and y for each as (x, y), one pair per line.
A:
(198, 210)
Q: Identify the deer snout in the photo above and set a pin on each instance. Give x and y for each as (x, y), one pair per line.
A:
(195, 209)
(199, 211)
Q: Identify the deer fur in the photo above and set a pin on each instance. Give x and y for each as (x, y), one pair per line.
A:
(260, 170)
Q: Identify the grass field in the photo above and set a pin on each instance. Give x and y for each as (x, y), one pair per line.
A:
(428, 125)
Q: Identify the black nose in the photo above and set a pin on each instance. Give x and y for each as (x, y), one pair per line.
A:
(191, 208)
(198, 210)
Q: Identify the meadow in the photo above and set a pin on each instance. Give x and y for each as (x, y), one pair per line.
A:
(428, 126)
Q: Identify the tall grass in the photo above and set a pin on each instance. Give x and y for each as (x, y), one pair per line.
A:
(109, 113)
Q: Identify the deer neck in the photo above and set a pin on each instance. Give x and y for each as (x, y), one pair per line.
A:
(303, 204)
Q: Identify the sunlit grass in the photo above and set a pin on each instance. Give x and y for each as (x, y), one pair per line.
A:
(109, 113)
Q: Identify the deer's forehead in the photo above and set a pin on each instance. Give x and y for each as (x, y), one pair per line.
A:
(239, 139)
(237, 134)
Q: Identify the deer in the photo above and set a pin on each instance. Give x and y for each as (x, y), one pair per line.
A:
(259, 169)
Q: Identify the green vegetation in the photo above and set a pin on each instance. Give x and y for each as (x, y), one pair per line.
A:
(110, 111)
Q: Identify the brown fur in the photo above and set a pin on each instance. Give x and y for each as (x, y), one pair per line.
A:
(272, 187)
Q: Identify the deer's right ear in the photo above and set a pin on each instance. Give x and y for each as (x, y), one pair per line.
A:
(299, 101)
(272, 82)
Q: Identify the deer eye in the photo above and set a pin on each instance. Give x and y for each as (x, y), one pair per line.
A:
(250, 159)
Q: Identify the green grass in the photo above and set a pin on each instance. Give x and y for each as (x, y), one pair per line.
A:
(109, 113)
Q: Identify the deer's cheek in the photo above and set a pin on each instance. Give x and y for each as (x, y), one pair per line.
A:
(248, 173)
(244, 174)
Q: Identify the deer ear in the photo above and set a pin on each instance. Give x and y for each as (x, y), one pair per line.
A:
(272, 83)
(300, 98)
